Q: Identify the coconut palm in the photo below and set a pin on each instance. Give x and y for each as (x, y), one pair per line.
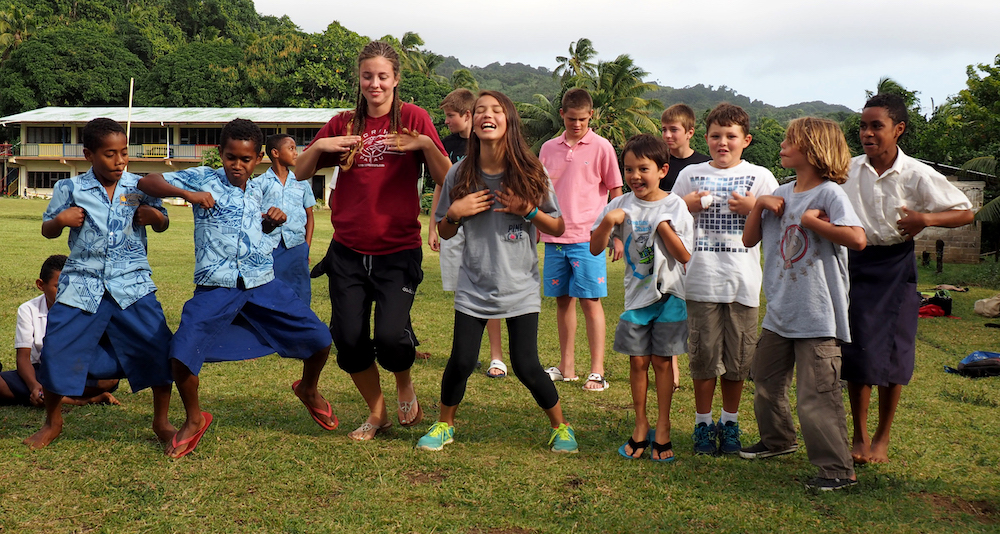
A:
(986, 165)
(541, 120)
(464, 78)
(16, 26)
(620, 111)
(578, 62)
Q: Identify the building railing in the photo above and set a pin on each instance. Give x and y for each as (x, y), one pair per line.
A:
(67, 150)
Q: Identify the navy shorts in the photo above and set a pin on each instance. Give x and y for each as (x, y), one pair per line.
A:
(291, 266)
(221, 324)
(111, 343)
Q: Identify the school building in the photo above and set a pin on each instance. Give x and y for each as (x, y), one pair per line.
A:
(160, 140)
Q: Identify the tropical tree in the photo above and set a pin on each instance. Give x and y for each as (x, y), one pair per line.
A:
(464, 78)
(577, 63)
(540, 120)
(620, 111)
(16, 26)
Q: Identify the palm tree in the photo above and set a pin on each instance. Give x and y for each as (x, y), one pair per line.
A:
(16, 26)
(412, 58)
(541, 120)
(464, 78)
(620, 111)
(986, 165)
(578, 62)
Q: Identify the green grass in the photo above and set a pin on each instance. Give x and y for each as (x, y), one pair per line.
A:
(265, 466)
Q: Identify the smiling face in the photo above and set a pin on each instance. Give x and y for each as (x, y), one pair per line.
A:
(726, 144)
(110, 159)
(239, 158)
(489, 120)
(643, 176)
(878, 133)
(378, 82)
(576, 121)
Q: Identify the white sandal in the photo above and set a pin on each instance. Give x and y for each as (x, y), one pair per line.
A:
(499, 365)
(594, 377)
(556, 375)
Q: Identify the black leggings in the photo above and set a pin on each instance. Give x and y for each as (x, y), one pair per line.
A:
(523, 334)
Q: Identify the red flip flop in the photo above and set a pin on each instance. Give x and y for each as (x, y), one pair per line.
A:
(316, 413)
(191, 442)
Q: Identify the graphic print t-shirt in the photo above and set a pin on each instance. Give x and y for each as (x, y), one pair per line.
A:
(721, 268)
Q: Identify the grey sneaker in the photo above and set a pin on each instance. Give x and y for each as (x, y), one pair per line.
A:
(729, 438)
(829, 484)
(758, 451)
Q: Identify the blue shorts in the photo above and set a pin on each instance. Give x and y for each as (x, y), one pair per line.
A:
(658, 329)
(291, 266)
(570, 269)
(22, 395)
(222, 324)
(111, 343)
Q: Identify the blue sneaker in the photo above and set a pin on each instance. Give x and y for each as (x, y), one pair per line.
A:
(704, 438)
(729, 438)
(437, 437)
(563, 439)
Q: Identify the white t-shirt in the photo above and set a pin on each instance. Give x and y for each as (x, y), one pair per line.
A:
(650, 271)
(32, 317)
(721, 269)
(878, 200)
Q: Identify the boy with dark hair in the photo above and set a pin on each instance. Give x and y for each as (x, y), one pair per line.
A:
(457, 108)
(724, 277)
(677, 128)
(584, 171)
(293, 239)
(238, 311)
(106, 309)
(21, 386)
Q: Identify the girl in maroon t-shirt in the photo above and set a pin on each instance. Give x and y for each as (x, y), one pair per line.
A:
(375, 255)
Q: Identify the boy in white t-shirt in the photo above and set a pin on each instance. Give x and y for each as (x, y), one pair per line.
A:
(21, 386)
(657, 232)
(723, 281)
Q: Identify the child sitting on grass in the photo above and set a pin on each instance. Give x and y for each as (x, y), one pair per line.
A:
(658, 232)
(21, 386)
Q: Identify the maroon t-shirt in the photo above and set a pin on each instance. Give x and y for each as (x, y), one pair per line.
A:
(375, 205)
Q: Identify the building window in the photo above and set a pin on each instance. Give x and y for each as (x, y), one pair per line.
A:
(303, 136)
(200, 136)
(268, 132)
(45, 179)
(48, 135)
(149, 136)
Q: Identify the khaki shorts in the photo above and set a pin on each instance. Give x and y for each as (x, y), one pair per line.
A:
(722, 340)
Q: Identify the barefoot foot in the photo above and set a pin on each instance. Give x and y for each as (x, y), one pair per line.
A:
(44, 436)
(105, 398)
(880, 452)
(861, 453)
(164, 432)
(369, 429)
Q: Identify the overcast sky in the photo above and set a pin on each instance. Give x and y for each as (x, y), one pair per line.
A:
(778, 51)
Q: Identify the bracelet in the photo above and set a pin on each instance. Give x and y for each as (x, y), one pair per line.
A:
(531, 214)
(451, 221)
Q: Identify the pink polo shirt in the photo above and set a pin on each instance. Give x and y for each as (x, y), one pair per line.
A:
(581, 175)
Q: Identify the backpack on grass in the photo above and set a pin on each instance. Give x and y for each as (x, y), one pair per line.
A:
(978, 364)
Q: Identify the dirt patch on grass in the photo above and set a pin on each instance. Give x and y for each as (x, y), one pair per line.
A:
(574, 483)
(419, 477)
(983, 511)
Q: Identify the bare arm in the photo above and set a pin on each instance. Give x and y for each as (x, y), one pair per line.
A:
(152, 217)
(305, 165)
(73, 217)
(600, 237)
(673, 242)
(432, 232)
(852, 237)
(914, 222)
(310, 225)
(155, 185)
(27, 373)
(466, 206)
(751, 230)
(554, 226)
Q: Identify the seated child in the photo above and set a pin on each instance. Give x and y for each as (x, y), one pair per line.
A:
(21, 386)
(106, 310)
(657, 231)
(238, 311)
(804, 228)
(293, 239)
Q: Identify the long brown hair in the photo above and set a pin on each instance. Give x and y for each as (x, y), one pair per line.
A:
(371, 50)
(523, 172)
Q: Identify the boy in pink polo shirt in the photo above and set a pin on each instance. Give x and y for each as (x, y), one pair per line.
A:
(583, 167)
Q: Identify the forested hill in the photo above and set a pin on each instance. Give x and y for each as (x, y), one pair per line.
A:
(522, 82)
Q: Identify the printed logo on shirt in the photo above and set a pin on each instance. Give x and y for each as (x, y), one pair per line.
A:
(515, 232)
(639, 248)
(130, 199)
(717, 228)
(794, 245)
(372, 150)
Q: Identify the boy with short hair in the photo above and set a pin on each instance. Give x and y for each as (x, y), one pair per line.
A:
(238, 311)
(106, 309)
(677, 129)
(21, 386)
(293, 239)
(723, 277)
(457, 108)
(584, 170)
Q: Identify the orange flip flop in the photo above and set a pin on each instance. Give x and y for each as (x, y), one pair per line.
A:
(191, 442)
(316, 413)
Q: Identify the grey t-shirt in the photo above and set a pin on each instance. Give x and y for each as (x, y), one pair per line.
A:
(805, 276)
(498, 277)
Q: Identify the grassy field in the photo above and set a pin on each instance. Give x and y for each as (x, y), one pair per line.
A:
(265, 466)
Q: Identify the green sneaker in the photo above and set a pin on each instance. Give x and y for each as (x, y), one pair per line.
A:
(563, 439)
(437, 437)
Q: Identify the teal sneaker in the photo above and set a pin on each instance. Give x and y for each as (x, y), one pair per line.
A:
(437, 437)
(563, 439)
(729, 438)
(705, 436)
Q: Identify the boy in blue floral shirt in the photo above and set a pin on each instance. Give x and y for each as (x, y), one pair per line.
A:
(238, 311)
(106, 304)
(293, 239)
